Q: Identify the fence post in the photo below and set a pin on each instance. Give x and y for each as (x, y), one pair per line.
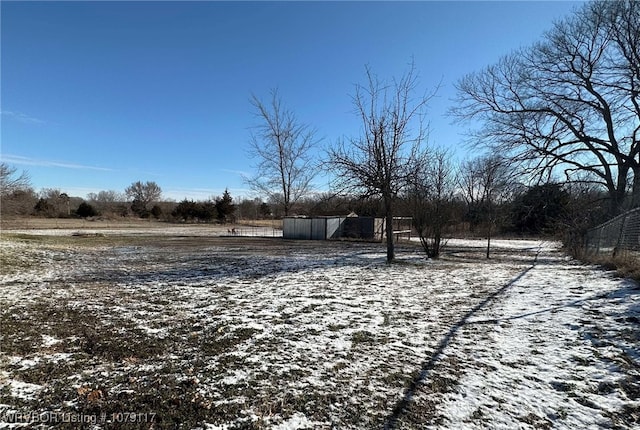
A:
(623, 226)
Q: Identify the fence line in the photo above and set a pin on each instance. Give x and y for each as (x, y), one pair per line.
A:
(617, 237)
(256, 231)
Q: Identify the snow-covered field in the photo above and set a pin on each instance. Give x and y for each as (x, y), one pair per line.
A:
(227, 332)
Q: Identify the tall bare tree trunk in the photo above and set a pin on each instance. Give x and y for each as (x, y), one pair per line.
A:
(389, 229)
(489, 239)
(282, 146)
(385, 158)
(635, 191)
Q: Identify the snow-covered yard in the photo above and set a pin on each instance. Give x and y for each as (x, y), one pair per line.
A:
(224, 333)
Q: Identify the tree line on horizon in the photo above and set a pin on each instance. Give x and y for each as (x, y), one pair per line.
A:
(141, 199)
(544, 209)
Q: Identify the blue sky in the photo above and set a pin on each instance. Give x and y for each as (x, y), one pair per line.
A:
(97, 95)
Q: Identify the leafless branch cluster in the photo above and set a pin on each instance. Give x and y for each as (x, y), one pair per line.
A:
(569, 104)
(11, 182)
(143, 194)
(282, 146)
(431, 195)
(386, 157)
(484, 183)
(16, 195)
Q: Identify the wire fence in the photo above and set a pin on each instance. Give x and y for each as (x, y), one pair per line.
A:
(256, 231)
(617, 237)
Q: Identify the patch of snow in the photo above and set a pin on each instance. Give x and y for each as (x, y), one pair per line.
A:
(48, 341)
(23, 390)
(216, 427)
(297, 421)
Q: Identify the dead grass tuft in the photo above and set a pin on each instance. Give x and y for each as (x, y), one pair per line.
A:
(626, 265)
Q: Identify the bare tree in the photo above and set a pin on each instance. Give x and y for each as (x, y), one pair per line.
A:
(106, 201)
(569, 104)
(142, 195)
(282, 145)
(484, 182)
(16, 195)
(10, 181)
(385, 158)
(431, 197)
(53, 203)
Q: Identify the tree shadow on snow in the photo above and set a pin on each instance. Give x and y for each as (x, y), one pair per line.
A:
(401, 407)
(618, 324)
(627, 331)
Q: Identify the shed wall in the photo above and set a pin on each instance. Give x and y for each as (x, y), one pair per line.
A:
(296, 228)
(333, 228)
(318, 228)
(323, 228)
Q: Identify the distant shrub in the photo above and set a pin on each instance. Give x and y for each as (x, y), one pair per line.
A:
(85, 210)
(156, 211)
(139, 208)
(44, 208)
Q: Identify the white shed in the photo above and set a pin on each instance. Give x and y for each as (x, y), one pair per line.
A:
(323, 228)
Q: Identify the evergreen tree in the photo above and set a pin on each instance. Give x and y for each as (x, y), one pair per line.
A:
(540, 209)
(85, 210)
(225, 207)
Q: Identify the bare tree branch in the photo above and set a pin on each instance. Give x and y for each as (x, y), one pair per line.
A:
(569, 103)
(11, 182)
(282, 145)
(386, 156)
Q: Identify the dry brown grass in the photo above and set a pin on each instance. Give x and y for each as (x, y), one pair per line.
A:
(75, 223)
(626, 265)
(28, 223)
(273, 223)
